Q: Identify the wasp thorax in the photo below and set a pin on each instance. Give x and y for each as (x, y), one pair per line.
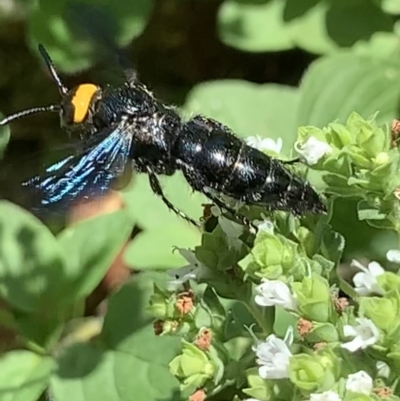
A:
(77, 103)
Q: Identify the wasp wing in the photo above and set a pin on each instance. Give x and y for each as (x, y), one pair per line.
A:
(85, 175)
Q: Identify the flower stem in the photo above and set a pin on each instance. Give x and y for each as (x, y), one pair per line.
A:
(264, 317)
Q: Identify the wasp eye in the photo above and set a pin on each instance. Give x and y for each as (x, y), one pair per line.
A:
(98, 122)
(67, 113)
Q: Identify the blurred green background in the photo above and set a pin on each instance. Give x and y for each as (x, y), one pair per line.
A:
(264, 67)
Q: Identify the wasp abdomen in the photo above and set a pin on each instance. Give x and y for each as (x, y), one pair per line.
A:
(209, 148)
(212, 156)
(262, 180)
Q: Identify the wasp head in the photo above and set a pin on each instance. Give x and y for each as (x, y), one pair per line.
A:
(77, 105)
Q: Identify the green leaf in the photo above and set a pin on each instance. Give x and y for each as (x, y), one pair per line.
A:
(32, 267)
(161, 226)
(128, 328)
(4, 136)
(24, 375)
(42, 328)
(218, 251)
(382, 44)
(73, 32)
(354, 21)
(328, 25)
(338, 85)
(86, 372)
(308, 27)
(333, 244)
(389, 6)
(150, 212)
(370, 214)
(90, 247)
(374, 217)
(249, 109)
(142, 254)
(254, 27)
(129, 362)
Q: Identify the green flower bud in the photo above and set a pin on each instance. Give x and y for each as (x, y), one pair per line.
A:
(158, 306)
(193, 366)
(308, 374)
(314, 298)
(192, 383)
(371, 138)
(357, 157)
(323, 332)
(372, 141)
(272, 255)
(384, 312)
(381, 158)
(259, 388)
(162, 304)
(339, 136)
(389, 281)
(170, 326)
(268, 251)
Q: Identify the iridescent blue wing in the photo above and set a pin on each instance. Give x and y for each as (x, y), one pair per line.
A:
(85, 175)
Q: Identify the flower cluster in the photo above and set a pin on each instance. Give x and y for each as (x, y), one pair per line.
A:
(265, 313)
(358, 159)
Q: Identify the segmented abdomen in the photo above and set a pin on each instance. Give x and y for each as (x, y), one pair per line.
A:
(221, 161)
(226, 162)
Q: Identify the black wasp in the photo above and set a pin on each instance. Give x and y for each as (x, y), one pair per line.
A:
(126, 126)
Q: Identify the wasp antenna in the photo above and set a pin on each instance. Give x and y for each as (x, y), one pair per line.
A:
(50, 65)
(24, 113)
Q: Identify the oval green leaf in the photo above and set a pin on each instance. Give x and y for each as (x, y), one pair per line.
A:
(32, 267)
(254, 27)
(162, 228)
(90, 247)
(248, 109)
(24, 375)
(131, 364)
(327, 26)
(75, 33)
(87, 372)
(338, 85)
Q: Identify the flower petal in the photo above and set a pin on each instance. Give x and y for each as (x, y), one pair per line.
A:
(393, 256)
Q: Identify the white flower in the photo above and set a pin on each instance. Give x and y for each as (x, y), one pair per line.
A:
(360, 382)
(312, 150)
(274, 292)
(265, 224)
(194, 270)
(325, 396)
(383, 369)
(264, 144)
(393, 256)
(365, 334)
(365, 281)
(273, 355)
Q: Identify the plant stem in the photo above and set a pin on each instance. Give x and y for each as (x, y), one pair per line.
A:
(265, 317)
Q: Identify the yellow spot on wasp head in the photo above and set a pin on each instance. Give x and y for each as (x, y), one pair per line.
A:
(81, 101)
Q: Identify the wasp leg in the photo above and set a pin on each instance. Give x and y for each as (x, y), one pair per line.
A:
(156, 187)
(294, 161)
(221, 204)
(196, 181)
